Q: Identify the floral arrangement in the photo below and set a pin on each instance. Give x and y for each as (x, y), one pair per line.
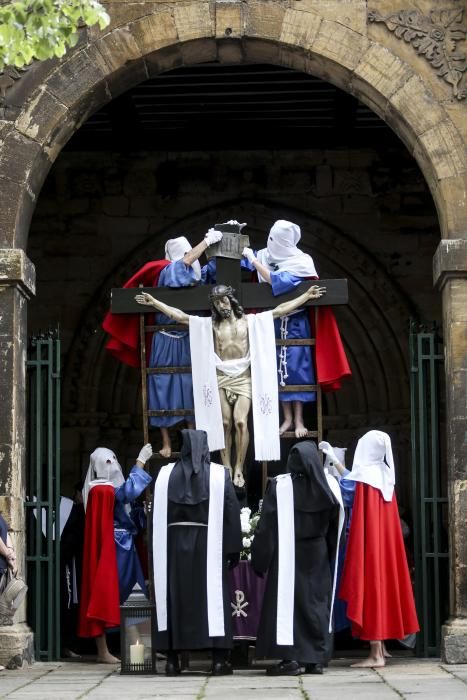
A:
(248, 524)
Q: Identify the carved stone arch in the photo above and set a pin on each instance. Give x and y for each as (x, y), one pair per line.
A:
(136, 47)
(373, 327)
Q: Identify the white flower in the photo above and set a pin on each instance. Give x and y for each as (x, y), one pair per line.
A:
(246, 542)
(245, 520)
(249, 557)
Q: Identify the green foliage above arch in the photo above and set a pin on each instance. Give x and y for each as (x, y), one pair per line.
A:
(41, 29)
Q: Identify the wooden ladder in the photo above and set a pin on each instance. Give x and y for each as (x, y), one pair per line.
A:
(145, 371)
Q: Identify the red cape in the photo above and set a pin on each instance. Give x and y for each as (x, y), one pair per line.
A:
(331, 361)
(375, 580)
(124, 328)
(100, 599)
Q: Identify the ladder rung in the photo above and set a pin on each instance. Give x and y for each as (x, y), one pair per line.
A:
(168, 370)
(291, 434)
(299, 387)
(171, 412)
(166, 327)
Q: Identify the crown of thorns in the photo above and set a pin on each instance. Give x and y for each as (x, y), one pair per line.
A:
(221, 290)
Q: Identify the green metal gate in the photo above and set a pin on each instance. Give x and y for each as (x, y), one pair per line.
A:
(43, 494)
(429, 495)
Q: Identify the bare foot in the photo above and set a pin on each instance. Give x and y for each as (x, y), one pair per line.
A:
(238, 479)
(107, 659)
(70, 654)
(285, 426)
(165, 452)
(375, 658)
(300, 430)
(2, 668)
(370, 662)
(386, 654)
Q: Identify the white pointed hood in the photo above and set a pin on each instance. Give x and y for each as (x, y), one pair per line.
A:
(175, 249)
(373, 463)
(104, 468)
(282, 252)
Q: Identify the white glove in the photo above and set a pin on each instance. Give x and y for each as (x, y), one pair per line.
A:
(212, 236)
(328, 450)
(234, 222)
(146, 453)
(249, 255)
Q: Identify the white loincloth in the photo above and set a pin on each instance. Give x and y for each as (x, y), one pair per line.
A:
(265, 396)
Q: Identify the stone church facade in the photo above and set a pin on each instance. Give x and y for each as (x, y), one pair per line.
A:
(73, 226)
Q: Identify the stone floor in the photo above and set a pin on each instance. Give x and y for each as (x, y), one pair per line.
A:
(401, 678)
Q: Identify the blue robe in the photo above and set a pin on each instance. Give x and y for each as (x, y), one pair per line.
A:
(294, 362)
(171, 391)
(347, 487)
(128, 563)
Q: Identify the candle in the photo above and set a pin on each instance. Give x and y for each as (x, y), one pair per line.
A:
(137, 653)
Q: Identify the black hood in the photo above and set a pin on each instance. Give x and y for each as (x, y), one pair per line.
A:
(311, 490)
(189, 481)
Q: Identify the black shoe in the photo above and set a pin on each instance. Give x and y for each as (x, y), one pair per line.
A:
(285, 668)
(222, 668)
(172, 668)
(316, 669)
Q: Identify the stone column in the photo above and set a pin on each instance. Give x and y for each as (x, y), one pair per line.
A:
(450, 276)
(17, 285)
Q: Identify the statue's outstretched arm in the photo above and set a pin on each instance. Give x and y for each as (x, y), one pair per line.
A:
(314, 292)
(170, 311)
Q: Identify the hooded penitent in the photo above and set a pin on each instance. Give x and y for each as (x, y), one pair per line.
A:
(373, 463)
(104, 468)
(375, 580)
(329, 462)
(282, 252)
(295, 542)
(176, 248)
(182, 492)
(313, 493)
(189, 481)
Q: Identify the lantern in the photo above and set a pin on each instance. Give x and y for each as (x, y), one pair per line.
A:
(137, 625)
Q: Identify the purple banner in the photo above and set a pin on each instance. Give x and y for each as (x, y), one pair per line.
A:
(246, 592)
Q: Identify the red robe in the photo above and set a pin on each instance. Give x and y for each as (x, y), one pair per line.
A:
(375, 580)
(124, 328)
(331, 361)
(100, 600)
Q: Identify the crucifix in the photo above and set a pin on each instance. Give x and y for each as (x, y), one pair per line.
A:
(227, 254)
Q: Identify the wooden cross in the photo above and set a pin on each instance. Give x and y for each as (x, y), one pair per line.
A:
(250, 295)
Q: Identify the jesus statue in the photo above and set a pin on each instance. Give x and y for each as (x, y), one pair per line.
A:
(241, 343)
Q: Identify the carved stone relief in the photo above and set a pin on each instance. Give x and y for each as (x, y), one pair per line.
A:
(436, 37)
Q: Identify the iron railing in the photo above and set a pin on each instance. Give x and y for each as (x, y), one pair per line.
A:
(429, 496)
(43, 494)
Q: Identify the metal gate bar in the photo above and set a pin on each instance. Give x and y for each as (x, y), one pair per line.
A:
(431, 555)
(43, 494)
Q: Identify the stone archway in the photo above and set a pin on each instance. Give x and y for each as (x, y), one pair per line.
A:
(51, 100)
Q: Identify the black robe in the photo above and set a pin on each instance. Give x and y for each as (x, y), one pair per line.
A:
(187, 607)
(315, 548)
(71, 560)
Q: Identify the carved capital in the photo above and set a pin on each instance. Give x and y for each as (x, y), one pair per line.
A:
(17, 270)
(437, 37)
